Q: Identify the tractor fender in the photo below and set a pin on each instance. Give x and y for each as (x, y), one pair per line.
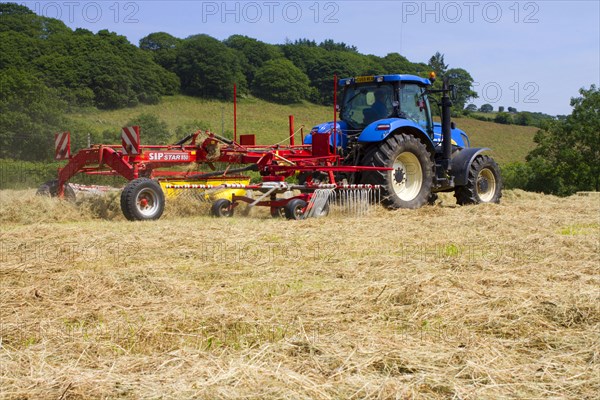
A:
(379, 130)
(371, 134)
(461, 163)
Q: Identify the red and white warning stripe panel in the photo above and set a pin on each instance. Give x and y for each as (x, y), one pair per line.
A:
(234, 186)
(62, 146)
(359, 186)
(130, 137)
(190, 186)
(326, 186)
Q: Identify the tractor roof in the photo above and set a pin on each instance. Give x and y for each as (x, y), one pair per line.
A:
(385, 78)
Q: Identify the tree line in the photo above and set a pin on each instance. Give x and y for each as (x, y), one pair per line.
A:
(106, 71)
(48, 70)
(567, 154)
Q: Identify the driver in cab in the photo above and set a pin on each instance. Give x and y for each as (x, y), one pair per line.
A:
(378, 109)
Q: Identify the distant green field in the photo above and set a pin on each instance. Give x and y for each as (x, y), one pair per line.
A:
(270, 122)
(509, 143)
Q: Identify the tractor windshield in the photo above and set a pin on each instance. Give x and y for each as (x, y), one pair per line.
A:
(414, 105)
(365, 104)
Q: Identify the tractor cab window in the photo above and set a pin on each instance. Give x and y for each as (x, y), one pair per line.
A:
(365, 104)
(414, 105)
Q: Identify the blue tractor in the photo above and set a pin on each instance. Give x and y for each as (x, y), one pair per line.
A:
(385, 121)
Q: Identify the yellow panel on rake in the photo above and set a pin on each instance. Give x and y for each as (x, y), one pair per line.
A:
(211, 194)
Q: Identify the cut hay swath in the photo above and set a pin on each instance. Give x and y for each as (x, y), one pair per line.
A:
(485, 302)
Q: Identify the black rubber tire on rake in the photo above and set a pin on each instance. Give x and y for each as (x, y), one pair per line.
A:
(50, 189)
(221, 208)
(295, 209)
(151, 190)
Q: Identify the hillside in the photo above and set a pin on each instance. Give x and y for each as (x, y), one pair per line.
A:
(379, 307)
(269, 122)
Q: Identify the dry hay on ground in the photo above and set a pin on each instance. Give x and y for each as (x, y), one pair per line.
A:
(492, 301)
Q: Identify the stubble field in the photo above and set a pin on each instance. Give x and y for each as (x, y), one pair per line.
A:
(444, 302)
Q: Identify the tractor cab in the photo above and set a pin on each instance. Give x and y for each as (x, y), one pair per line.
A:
(372, 107)
(368, 99)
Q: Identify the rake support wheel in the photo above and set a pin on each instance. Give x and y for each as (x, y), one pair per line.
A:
(295, 209)
(142, 200)
(222, 208)
(50, 189)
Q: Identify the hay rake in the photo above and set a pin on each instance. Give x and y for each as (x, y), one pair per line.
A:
(151, 180)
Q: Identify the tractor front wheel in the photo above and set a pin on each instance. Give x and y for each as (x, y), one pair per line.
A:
(408, 185)
(142, 199)
(484, 183)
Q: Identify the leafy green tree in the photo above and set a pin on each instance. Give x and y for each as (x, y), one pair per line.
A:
(330, 45)
(320, 65)
(471, 108)
(486, 108)
(437, 64)
(30, 113)
(254, 53)
(464, 83)
(208, 68)
(282, 82)
(104, 70)
(394, 63)
(567, 155)
(342, 64)
(153, 130)
(523, 118)
(163, 47)
(503, 118)
(14, 9)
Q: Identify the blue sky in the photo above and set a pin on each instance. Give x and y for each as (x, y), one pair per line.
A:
(532, 55)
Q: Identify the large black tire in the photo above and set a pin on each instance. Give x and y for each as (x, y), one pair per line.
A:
(295, 208)
(50, 189)
(142, 200)
(484, 183)
(409, 184)
(221, 208)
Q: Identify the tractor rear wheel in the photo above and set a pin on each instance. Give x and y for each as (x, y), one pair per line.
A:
(484, 183)
(50, 189)
(142, 199)
(408, 185)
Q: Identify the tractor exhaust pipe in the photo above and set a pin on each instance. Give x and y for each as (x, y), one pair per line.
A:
(446, 126)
